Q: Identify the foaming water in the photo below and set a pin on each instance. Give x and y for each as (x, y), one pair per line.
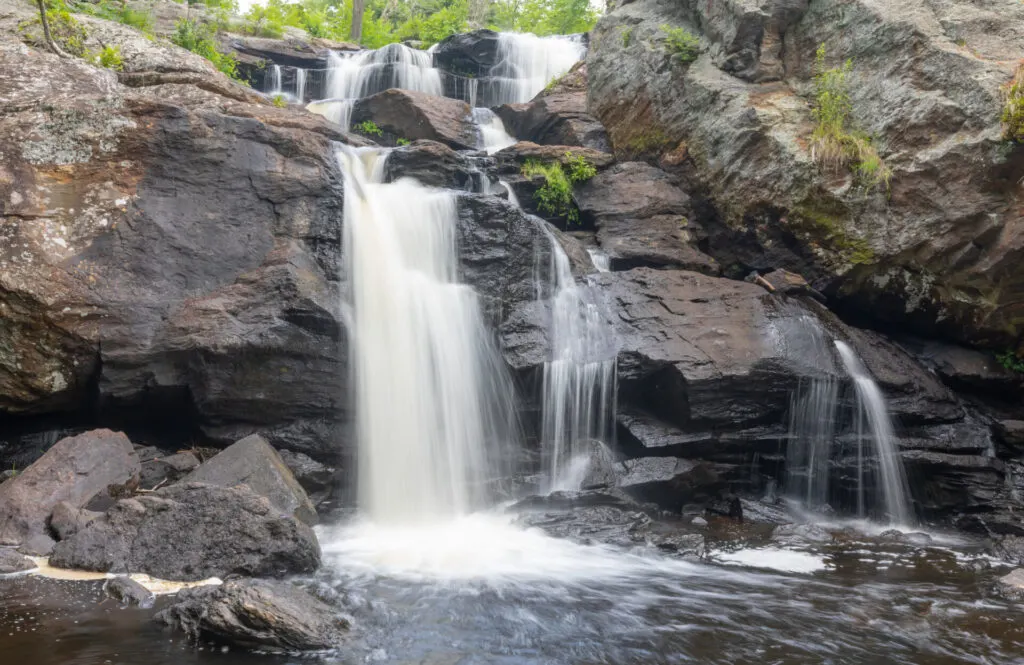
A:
(433, 402)
(493, 136)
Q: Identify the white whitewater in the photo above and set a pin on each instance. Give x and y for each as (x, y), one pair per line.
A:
(527, 64)
(600, 259)
(493, 136)
(433, 400)
(580, 378)
(873, 423)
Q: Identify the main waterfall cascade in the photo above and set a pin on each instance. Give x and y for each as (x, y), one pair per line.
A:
(818, 417)
(433, 399)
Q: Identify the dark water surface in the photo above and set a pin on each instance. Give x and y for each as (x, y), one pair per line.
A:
(529, 599)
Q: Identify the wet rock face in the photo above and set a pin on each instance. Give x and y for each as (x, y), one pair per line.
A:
(469, 54)
(643, 219)
(191, 532)
(417, 115)
(183, 221)
(72, 472)
(261, 614)
(936, 249)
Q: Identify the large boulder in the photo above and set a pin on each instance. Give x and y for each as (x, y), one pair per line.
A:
(11, 562)
(470, 54)
(643, 219)
(199, 242)
(192, 531)
(259, 614)
(937, 246)
(253, 463)
(414, 115)
(557, 115)
(73, 471)
(434, 165)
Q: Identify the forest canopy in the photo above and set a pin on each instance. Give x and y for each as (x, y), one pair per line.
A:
(423, 21)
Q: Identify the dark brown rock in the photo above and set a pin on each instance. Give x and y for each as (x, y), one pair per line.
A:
(66, 520)
(643, 219)
(558, 115)
(74, 470)
(127, 592)
(417, 115)
(11, 562)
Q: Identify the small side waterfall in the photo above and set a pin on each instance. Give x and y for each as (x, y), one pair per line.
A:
(872, 422)
(820, 420)
(580, 379)
(493, 136)
(433, 398)
(300, 85)
(273, 84)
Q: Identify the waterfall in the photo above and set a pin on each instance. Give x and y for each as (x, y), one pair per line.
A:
(493, 136)
(433, 399)
(872, 423)
(300, 85)
(273, 85)
(580, 381)
(527, 64)
(600, 259)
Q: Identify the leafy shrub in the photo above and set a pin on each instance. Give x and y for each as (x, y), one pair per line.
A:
(1013, 107)
(110, 57)
(67, 32)
(1011, 361)
(832, 143)
(682, 45)
(627, 36)
(403, 141)
(370, 128)
(554, 197)
(279, 101)
(201, 40)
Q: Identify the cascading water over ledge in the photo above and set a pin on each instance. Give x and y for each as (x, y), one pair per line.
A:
(433, 399)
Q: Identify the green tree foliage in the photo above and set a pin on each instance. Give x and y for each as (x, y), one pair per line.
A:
(1013, 107)
(684, 46)
(543, 17)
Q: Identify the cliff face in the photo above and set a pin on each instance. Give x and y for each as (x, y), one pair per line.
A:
(937, 248)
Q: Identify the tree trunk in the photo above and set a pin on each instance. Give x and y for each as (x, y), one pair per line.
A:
(478, 13)
(46, 31)
(358, 8)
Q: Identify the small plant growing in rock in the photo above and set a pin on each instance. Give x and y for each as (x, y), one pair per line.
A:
(59, 30)
(403, 141)
(627, 36)
(1013, 107)
(682, 45)
(833, 144)
(555, 196)
(370, 128)
(552, 83)
(1011, 361)
(279, 101)
(110, 57)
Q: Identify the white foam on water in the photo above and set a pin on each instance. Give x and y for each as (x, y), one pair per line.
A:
(784, 561)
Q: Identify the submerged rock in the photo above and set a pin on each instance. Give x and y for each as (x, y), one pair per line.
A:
(192, 531)
(74, 470)
(129, 592)
(253, 463)
(258, 614)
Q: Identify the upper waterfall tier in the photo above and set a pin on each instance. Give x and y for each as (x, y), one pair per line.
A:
(515, 68)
